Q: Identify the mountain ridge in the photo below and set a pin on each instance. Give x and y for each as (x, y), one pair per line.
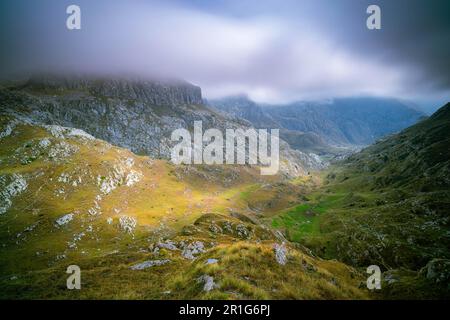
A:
(340, 122)
(153, 91)
(123, 112)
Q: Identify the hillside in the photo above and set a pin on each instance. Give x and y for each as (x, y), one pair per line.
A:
(142, 228)
(387, 205)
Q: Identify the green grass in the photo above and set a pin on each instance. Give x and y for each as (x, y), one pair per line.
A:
(304, 220)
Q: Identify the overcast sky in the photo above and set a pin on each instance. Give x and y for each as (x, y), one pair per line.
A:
(273, 51)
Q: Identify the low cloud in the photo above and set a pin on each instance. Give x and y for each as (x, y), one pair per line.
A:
(269, 58)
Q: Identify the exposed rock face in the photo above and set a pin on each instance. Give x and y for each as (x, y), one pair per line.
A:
(137, 115)
(158, 92)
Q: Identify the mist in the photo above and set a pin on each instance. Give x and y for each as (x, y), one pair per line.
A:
(272, 53)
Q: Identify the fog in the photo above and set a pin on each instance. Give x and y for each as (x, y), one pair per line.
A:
(271, 52)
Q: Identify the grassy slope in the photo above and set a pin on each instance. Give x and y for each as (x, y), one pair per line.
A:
(65, 175)
(387, 205)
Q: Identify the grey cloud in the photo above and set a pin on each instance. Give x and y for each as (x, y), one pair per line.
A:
(299, 50)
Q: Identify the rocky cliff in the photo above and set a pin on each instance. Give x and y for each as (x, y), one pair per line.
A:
(134, 114)
(155, 92)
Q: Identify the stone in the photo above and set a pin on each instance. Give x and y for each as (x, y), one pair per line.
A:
(208, 282)
(280, 253)
(438, 271)
(16, 186)
(193, 249)
(127, 224)
(65, 219)
(169, 245)
(149, 264)
(211, 261)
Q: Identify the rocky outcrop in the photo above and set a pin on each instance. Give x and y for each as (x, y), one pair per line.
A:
(156, 92)
(148, 264)
(10, 189)
(280, 253)
(208, 283)
(134, 114)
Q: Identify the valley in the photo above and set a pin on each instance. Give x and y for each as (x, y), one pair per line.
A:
(125, 210)
(85, 180)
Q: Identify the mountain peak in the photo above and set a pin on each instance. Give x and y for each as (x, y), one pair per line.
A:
(152, 90)
(443, 112)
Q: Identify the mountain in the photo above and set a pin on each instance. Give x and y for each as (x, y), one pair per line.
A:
(339, 122)
(142, 228)
(387, 205)
(243, 108)
(85, 180)
(139, 115)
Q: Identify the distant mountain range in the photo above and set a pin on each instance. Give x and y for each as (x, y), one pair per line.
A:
(320, 126)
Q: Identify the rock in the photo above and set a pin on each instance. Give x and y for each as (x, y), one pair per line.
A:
(44, 143)
(61, 151)
(208, 281)
(280, 253)
(121, 173)
(96, 210)
(73, 132)
(228, 227)
(169, 245)
(193, 249)
(127, 224)
(16, 186)
(153, 92)
(214, 228)
(9, 129)
(133, 177)
(65, 219)
(438, 271)
(242, 231)
(211, 261)
(76, 238)
(149, 264)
